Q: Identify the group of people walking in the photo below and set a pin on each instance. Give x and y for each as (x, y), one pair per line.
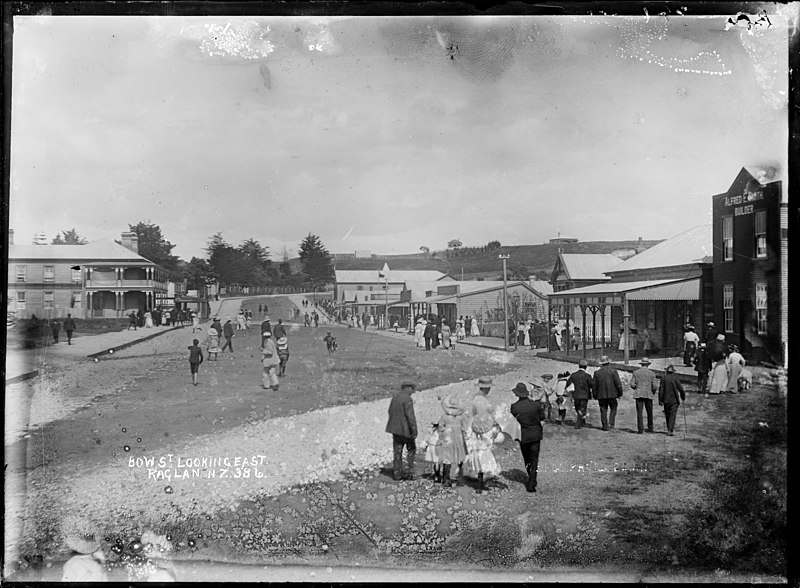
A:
(464, 436)
(432, 334)
(722, 363)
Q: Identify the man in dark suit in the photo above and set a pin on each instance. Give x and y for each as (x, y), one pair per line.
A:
(403, 427)
(607, 388)
(670, 396)
(582, 385)
(530, 414)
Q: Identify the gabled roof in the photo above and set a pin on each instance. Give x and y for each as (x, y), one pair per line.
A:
(542, 286)
(690, 247)
(372, 277)
(587, 266)
(100, 250)
(476, 287)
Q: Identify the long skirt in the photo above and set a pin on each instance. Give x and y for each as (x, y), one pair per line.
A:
(432, 453)
(734, 371)
(689, 352)
(719, 378)
(475, 330)
(480, 457)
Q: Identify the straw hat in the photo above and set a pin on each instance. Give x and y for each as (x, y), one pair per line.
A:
(604, 360)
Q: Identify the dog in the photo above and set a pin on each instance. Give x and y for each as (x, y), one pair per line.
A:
(745, 380)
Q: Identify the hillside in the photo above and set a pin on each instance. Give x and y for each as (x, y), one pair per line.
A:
(536, 259)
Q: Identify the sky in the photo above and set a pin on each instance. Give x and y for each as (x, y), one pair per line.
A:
(388, 133)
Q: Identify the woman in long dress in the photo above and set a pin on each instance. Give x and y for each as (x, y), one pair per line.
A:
(475, 329)
(526, 340)
(719, 373)
(452, 447)
(148, 320)
(735, 363)
(445, 335)
(418, 330)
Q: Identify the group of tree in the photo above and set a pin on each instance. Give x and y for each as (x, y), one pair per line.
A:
(247, 264)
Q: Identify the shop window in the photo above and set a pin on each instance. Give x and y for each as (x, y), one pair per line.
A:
(760, 219)
(727, 307)
(21, 300)
(22, 273)
(48, 299)
(761, 308)
(727, 238)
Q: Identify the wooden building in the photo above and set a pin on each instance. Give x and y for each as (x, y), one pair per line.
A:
(750, 275)
(100, 279)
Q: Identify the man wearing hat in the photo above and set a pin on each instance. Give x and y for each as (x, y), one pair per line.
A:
(582, 385)
(645, 386)
(670, 396)
(403, 427)
(607, 388)
(702, 365)
(529, 413)
(270, 362)
(227, 330)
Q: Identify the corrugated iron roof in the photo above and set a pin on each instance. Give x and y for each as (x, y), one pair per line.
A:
(588, 266)
(684, 290)
(608, 288)
(102, 249)
(690, 247)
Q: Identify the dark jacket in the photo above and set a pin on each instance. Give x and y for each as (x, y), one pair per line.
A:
(670, 391)
(530, 414)
(607, 383)
(227, 330)
(69, 324)
(401, 416)
(583, 384)
(266, 326)
(717, 350)
(702, 363)
(711, 335)
(195, 354)
(428, 332)
(278, 331)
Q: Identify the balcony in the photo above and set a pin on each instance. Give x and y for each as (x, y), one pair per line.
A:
(125, 284)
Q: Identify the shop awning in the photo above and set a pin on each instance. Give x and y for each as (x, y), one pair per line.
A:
(612, 294)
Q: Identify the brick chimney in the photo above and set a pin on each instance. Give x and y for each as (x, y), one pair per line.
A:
(130, 241)
(10, 237)
(639, 246)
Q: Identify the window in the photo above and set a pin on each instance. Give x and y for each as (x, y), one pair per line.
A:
(75, 300)
(359, 287)
(21, 300)
(77, 275)
(761, 308)
(761, 233)
(49, 273)
(22, 273)
(651, 315)
(48, 300)
(727, 306)
(727, 238)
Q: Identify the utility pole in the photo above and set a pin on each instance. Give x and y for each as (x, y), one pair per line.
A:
(505, 301)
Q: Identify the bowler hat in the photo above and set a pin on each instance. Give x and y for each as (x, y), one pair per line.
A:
(645, 361)
(604, 360)
(520, 390)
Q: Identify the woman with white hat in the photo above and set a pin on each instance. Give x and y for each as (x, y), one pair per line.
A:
(482, 433)
(452, 426)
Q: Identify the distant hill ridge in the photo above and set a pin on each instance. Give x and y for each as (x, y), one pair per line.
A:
(538, 259)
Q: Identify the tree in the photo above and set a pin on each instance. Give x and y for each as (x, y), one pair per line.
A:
(316, 261)
(517, 270)
(69, 237)
(153, 246)
(198, 273)
(491, 245)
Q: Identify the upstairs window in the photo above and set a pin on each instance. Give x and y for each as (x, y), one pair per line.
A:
(48, 299)
(727, 238)
(760, 220)
(49, 273)
(21, 300)
(77, 275)
(22, 273)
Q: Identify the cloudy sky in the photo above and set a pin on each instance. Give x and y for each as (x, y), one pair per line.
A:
(388, 134)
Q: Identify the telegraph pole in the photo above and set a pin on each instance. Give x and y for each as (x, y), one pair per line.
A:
(505, 301)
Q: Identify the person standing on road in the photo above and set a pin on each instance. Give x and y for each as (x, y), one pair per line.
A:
(419, 329)
(282, 344)
(266, 327)
(690, 341)
(69, 327)
(735, 363)
(428, 335)
(55, 327)
(670, 396)
(582, 385)
(446, 336)
(481, 435)
(702, 366)
(475, 330)
(645, 385)
(148, 319)
(607, 388)
(195, 322)
(213, 340)
(364, 320)
(279, 330)
(241, 321)
(132, 321)
(269, 363)
(719, 373)
(402, 425)
(530, 414)
(452, 427)
(227, 330)
(561, 395)
(711, 333)
(195, 359)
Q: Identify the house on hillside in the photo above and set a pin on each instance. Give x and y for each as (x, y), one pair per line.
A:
(750, 288)
(100, 279)
(660, 289)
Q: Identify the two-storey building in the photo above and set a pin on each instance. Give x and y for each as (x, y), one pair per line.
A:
(100, 279)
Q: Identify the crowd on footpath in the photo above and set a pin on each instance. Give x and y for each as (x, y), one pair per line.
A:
(717, 360)
(463, 436)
